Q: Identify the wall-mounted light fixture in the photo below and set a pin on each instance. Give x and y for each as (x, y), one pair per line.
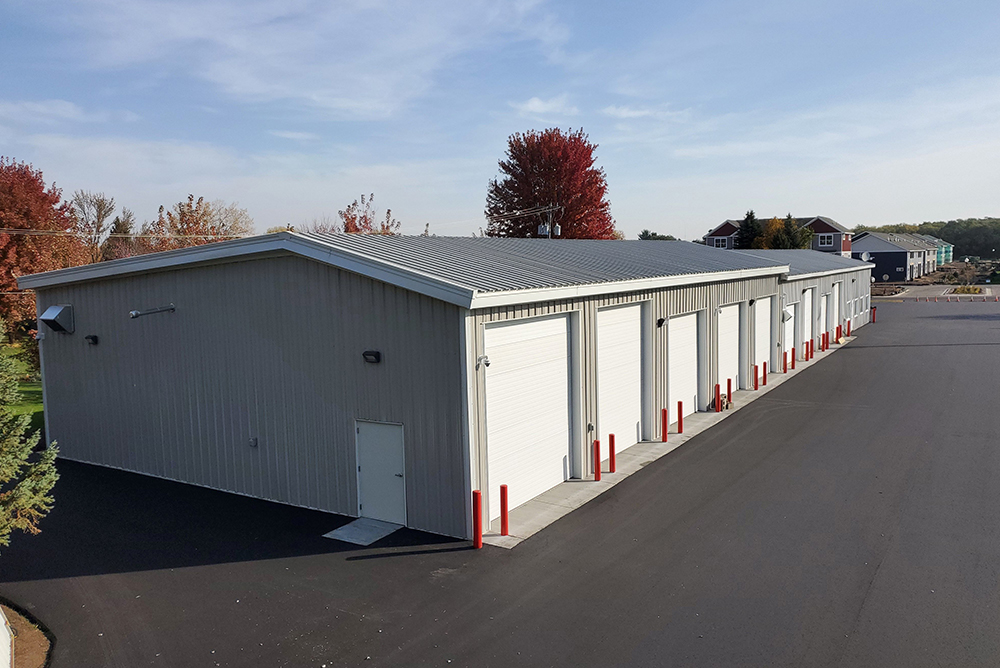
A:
(752, 302)
(91, 339)
(372, 356)
(660, 321)
(482, 360)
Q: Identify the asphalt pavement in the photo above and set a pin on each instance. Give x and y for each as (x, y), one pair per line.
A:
(848, 518)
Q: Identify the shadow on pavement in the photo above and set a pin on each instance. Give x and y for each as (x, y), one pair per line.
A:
(109, 521)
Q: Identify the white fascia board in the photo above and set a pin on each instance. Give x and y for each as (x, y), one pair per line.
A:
(233, 250)
(831, 272)
(154, 261)
(510, 297)
(383, 270)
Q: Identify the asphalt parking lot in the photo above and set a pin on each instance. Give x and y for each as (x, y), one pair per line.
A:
(848, 518)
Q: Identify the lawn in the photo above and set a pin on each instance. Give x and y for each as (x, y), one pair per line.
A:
(31, 391)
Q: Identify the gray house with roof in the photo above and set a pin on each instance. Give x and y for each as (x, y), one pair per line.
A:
(896, 257)
(389, 376)
(829, 236)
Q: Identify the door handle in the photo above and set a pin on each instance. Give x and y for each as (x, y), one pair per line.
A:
(399, 475)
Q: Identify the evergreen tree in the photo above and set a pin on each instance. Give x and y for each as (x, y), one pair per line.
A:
(26, 477)
(749, 230)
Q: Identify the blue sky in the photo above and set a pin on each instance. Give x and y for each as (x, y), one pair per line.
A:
(866, 112)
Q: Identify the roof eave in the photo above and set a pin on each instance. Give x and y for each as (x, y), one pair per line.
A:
(829, 272)
(534, 295)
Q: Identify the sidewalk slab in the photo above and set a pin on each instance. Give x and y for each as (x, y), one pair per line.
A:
(532, 516)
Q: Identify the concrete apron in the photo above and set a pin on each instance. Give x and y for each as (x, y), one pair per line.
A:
(532, 516)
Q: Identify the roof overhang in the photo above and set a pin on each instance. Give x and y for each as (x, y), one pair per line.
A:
(831, 272)
(284, 243)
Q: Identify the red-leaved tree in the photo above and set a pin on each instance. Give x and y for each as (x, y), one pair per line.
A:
(550, 169)
(27, 204)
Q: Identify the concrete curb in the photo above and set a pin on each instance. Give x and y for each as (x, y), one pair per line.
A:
(529, 518)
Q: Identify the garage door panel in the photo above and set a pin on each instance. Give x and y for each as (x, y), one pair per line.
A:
(682, 363)
(619, 374)
(527, 408)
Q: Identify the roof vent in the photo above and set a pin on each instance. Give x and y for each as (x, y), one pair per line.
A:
(59, 318)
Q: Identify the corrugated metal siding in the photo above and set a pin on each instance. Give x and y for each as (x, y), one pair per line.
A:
(664, 303)
(854, 285)
(270, 349)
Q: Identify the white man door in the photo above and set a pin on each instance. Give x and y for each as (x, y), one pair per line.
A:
(527, 408)
(619, 375)
(807, 320)
(381, 481)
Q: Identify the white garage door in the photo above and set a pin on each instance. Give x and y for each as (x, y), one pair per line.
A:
(619, 375)
(527, 408)
(682, 363)
(729, 346)
(836, 307)
(762, 331)
(807, 319)
(789, 332)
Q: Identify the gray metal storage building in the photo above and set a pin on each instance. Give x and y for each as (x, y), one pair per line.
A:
(820, 292)
(387, 377)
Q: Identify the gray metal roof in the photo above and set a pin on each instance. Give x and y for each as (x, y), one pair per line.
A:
(801, 262)
(896, 239)
(488, 264)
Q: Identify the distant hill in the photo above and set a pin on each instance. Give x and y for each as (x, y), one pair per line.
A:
(971, 236)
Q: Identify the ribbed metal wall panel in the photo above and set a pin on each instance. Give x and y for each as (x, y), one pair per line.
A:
(270, 349)
(664, 303)
(854, 285)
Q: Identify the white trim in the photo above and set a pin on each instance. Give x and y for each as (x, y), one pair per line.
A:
(489, 299)
(831, 272)
(378, 269)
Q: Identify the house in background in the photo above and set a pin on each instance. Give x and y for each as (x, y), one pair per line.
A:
(896, 257)
(829, 236)
(723, 236)
(945, 250)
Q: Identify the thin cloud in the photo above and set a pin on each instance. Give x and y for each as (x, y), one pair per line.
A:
(295, 136)
(537, 107)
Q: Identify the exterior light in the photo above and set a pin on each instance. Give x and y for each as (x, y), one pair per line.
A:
(372, 356)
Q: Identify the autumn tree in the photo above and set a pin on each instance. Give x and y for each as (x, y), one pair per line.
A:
(27, 204)
(549, 171)
(91, 212)
(783, 234)
(750, 229)
(193, 223)
(26, 477)
(360, 218)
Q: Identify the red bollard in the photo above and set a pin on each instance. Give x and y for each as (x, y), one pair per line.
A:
(477, 519)
(784, 362)
(848, 329)
(611, 453)
(597, 461)
(718, 398)
(840, 330)
(503, 511)
(764, 375)
(664, 421)
(756, 370)
(680, 417)
(793, 359)
(729, 390)
(873, 313)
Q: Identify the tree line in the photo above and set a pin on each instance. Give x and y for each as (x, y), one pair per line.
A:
(971, 236)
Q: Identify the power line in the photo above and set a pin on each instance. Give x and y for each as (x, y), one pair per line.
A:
(116, 235)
